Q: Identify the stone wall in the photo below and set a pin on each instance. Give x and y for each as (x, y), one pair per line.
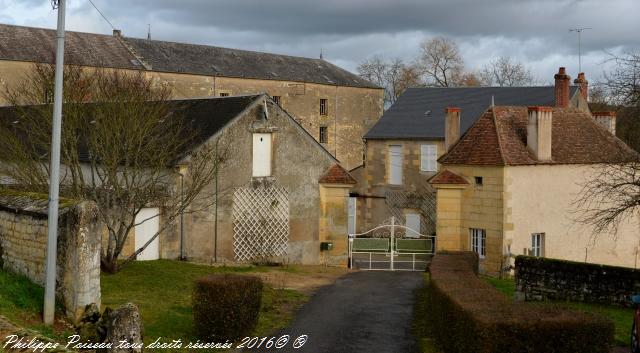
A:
(23, 243)
(543, 278)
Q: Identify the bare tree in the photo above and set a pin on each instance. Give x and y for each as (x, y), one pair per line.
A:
(440, 62)
(467, 79)
(505, 72)
(394, 76)
(122, 152)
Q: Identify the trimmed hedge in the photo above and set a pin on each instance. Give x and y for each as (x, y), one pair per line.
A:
(469, 315)
(226, 306)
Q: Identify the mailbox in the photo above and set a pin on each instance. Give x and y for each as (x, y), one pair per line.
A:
(326, 246)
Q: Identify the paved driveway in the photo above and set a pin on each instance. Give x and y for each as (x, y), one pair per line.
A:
(362, 312)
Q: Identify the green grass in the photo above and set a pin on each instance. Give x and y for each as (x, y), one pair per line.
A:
(162, 289)
(621, 317)
(421, 325)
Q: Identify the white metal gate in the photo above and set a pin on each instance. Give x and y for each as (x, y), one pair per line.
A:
(391, 247)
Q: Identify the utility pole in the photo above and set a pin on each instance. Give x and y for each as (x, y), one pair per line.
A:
(54, 182)
(579, 31)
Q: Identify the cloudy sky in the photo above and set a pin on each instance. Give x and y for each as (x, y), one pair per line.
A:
(536, 32)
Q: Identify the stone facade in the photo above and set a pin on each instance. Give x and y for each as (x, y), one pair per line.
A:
(541, 279)
(23, 242)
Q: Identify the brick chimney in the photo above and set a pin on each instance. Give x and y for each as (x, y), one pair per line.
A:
(539, 132)
(451, 127)
(606, 120)
(583, 85)
(562, 88)
(117, 33)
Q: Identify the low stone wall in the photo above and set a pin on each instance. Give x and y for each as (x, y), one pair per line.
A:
(542, 278)
(23, 243)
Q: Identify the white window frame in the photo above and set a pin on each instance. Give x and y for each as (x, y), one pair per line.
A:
(395, 165)
(478, 241)
(429, 157)
(262, 159)
(537, 244)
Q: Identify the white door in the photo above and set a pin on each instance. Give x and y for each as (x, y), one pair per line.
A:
(351, 227)
(261, 155)
(395, 165)
(412, 221)
(146, 230)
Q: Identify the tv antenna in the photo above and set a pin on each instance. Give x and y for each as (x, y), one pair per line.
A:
(579, 31)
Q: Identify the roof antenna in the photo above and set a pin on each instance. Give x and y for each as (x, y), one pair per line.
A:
(579, 31)
(148, 31)
(321, 56)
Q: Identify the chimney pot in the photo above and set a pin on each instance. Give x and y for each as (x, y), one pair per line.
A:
(451, 127)
(562, 88)
(117, 33)
(583, 85)
(539, 132)
(606, 120)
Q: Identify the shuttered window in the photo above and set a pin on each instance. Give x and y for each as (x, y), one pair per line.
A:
(428, 158)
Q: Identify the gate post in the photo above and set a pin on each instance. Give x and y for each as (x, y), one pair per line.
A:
(351, 251)
(393, 228)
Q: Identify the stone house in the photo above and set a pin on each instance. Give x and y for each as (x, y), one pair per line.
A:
(402, 148)
(335, 106)
(279, 193)
(508, 187)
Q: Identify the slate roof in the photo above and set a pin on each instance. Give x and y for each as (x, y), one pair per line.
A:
(406, 118)
(447, 177)
(499, 137)
(38, 45)
(337, 175)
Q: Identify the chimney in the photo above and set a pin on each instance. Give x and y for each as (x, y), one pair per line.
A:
(539, 132)
(583, 85)
(451, 127)
(606, 120)
(562, 88)
(117, 33)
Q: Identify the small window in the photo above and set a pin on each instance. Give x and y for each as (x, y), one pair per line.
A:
(537, 244)
(428, 158)
(478, 180)
(224, 94)
(478, 242)
(394, 167)
(323, 107)
(323, 134)
(276, 99)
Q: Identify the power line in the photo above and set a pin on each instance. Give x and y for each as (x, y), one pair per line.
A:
(101, 14)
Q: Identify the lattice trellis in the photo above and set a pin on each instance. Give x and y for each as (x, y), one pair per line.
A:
(397, 201)
(260, 223)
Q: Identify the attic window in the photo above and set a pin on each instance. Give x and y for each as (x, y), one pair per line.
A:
(276, 99)
(478, 180)
(224, 94)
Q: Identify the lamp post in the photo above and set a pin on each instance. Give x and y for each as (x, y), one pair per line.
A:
(54, 183)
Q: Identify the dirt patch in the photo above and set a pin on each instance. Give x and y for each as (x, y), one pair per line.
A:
(304, 279)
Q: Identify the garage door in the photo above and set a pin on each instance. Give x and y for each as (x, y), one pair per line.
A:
(145, 231)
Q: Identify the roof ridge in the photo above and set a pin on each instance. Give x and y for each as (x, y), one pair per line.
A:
(495, 125)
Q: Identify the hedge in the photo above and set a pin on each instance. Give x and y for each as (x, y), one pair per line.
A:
(226, 306)
(469, 315)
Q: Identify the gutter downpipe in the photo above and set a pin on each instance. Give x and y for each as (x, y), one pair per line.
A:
(215, 231)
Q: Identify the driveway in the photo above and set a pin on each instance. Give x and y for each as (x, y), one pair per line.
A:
(362, 312)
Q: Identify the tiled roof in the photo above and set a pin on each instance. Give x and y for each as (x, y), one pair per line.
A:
(98, 50)
(447, 177)
(419, 112)
(499, 137)
(337, 175)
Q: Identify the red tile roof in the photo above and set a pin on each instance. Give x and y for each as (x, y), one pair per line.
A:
(337, 175)
(447, 177)
(499, 137)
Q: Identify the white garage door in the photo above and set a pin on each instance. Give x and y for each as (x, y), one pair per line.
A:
(145, 231)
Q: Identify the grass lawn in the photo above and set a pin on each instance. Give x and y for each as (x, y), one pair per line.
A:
(421, 325)
(621, 317)
(162, 289)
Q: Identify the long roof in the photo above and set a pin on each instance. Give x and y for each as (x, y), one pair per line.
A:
(419, 112)
(38, 45)
(499, 138)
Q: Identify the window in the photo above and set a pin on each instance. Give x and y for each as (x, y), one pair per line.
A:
(261, 155)
(276, 99)
(394, 168)
(428, 158)
(478, 241)
(351, 222)
(323, 107)
(223, 94)
(323, 134)
(412, 221)
(478, 180)
(537, 244)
